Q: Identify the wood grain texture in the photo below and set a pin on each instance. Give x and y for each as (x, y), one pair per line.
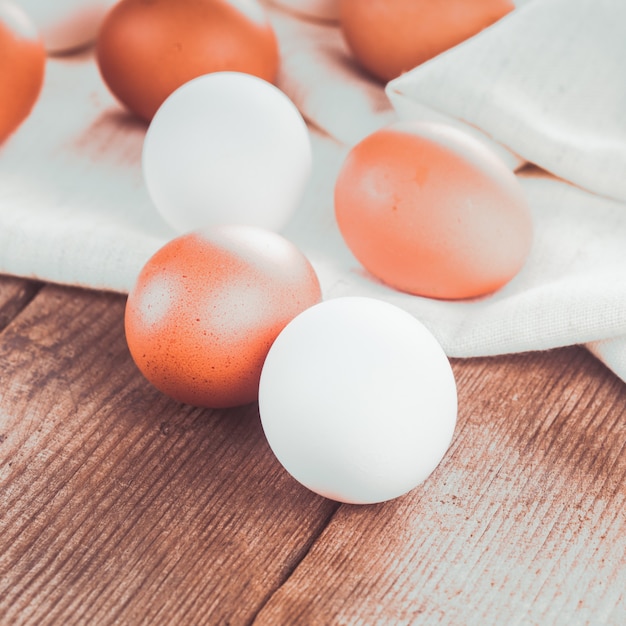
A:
(15, 294)
(120, 506)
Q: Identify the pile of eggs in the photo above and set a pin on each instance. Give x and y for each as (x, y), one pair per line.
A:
(356, 396)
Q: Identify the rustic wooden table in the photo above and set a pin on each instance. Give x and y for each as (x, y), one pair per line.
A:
(119, 506)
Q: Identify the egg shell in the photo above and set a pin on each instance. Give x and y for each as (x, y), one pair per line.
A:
(206, 308)
(22, 67)
(388, 37)
(227, 147)
(431, 211)
(146, 50)
(358, 400)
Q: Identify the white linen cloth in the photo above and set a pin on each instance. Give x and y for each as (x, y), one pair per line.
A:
(546, 84)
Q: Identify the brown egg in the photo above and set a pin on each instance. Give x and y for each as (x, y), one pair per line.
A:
(22, 67)
(207, 307)
(146, 50)
(431, 211)
(388, 37)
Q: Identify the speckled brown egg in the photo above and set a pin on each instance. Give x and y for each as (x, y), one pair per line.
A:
(208, 305)
(22, 67)
(145, 50)
(431, 211)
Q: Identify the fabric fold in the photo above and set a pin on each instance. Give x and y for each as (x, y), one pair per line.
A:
(546, 82)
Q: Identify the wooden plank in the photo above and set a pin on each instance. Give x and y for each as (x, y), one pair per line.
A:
(119, 505)
(523, 523)
(15, 294)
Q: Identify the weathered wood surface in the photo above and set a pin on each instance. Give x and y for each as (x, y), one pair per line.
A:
(119, 506)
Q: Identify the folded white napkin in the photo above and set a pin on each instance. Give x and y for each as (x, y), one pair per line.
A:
(73, 207)
(544, 84)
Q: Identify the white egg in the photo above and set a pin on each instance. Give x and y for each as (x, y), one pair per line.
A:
(227, 147)
(358, 400)
(66, 25)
